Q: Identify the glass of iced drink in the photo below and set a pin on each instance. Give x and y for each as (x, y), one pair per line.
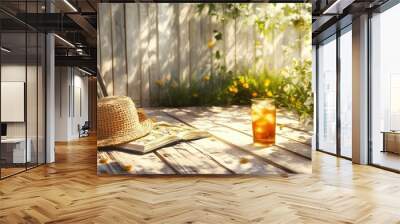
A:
(263, 115)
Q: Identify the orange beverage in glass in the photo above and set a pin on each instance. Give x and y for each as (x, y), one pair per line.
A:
(263, 115)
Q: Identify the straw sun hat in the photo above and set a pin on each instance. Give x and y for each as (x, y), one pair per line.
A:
(118, 121)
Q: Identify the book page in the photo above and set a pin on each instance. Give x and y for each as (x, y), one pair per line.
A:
(162, 134)
(193, 134)
(162, 131)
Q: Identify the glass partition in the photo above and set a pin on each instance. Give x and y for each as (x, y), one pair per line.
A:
(13, 94)
(22, 77)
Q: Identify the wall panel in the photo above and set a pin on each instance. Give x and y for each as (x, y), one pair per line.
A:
(154, 67)
(185, 14)
(132, 25)
(106, 43)
(119, 49)
(144, 55)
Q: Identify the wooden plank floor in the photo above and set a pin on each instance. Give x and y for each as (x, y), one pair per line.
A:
(69, 191)
(230, 151)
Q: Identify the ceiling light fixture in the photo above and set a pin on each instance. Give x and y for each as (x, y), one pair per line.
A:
(84, 71)
(331, 7)
(70, 5)
(65, 41)
(5, 50)
(337, 7)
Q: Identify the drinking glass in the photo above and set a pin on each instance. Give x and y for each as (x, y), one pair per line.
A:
(263, 115)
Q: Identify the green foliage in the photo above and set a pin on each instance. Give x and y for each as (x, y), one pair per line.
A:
(291, 89)
(269, 20)
(224, 11)
(206, 90)
(296, 87)
(272, 17)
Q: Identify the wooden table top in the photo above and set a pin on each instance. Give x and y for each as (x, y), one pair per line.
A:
(230, 150)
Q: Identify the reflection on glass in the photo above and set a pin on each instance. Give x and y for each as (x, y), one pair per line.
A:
(385, 114)
(14, 146)
(327, 96)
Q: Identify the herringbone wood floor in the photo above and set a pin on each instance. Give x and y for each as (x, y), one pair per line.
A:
(70, 192)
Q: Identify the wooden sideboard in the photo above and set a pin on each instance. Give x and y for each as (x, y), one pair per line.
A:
(13, 150)
(391, 141)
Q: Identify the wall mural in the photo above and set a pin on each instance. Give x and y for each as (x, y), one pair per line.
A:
(204, 88)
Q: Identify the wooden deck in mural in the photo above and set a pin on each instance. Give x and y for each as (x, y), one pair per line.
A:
(229, 151)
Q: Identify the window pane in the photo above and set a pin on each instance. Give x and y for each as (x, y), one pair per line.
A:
(345, 94)
(386, 88)
(327, 96)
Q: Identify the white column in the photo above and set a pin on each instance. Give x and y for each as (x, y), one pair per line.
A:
(50, 92)
(50, 99)
(360, 90)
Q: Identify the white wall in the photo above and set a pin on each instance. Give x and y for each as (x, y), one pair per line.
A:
(71, 102)
(33, 127)
(14, 73)
(80, 100)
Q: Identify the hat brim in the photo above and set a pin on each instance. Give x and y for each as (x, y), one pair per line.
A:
(146, 127)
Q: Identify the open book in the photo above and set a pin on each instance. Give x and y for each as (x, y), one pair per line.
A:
(161, 135)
